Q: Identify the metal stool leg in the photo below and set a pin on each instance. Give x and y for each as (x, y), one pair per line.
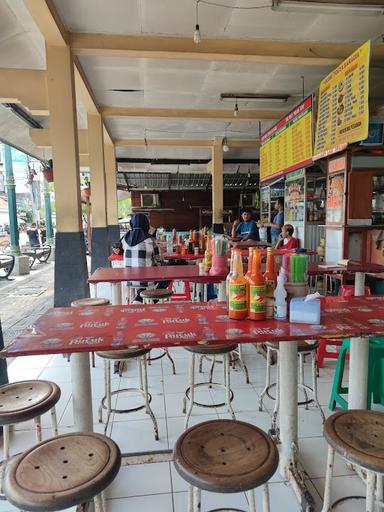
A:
(172, 361)
(301, 379)
(371, 486)
(99, 503)
(251, 501)
(274, 429)
(210, 379)
(148, 409)
(328, 480)
(266, 504)
(267, 379)
(54, 421)
(227, 384)
(93, 360)
(190, 498)
(196, 499)
(37, 421)
(314, 384)
(379, 491)
(191, 391)
(5, 442)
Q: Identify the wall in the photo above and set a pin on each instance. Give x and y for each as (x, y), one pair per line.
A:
(186, 208)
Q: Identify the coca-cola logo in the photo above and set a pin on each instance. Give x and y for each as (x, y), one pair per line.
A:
(176, 320)
(180, 335)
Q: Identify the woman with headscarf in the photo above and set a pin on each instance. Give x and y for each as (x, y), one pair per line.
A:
(141, 250)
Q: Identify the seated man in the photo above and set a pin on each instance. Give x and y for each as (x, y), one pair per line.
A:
(286, 240)
(246, 229)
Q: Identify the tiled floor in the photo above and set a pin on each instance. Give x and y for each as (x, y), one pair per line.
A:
(157, 487)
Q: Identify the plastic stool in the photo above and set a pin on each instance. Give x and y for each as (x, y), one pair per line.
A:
(375, 387)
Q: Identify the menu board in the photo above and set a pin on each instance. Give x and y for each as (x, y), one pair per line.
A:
(287, 146)
(343, 114)
(294, 197)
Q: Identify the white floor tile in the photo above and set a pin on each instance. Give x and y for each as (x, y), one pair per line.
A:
(139, 435)
(154, 502)
(313, 455)
(29, 362)
(344, 486)
(210, 501)
(129, 400)
(17, 374)
(140, 480)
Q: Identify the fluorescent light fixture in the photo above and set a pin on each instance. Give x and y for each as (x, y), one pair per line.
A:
(250, 96)
(323, 7)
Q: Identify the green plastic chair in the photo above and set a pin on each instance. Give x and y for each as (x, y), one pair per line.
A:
(375, 389)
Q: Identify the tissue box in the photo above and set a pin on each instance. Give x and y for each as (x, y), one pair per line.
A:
(304, 312)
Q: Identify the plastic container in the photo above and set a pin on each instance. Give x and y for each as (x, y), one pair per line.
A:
(280, 307)
(219, 265)
(263, 234)
(304, 311)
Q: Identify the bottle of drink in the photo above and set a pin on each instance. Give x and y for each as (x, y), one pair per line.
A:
(238, 309)
(249, 271)
(270, 276)
(229, 277)
(208, 256)
(174, 235)
(257, 304)
(280, 294)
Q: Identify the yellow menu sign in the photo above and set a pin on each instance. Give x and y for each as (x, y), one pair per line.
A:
(343, 114)
(287, 146)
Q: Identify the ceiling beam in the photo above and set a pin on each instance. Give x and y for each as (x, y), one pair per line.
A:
(303, 53)
(25, 86)
(42, 139)
(48, 21)
(189, 113)
(201, 143)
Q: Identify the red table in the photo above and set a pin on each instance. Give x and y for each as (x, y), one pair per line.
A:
(316, 268)
(83, 330)
(279, 252)
(116, 276)
(248, 243)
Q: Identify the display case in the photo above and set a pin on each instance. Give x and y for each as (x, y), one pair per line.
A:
(316, 199)
(378, 199)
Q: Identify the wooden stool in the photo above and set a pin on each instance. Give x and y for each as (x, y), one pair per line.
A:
(106, 403)
(91, 301)
(26, 400)
(303, 349)
(212, 350)
(62, 472)
(357, 435)
(225, 456)
(153, 296)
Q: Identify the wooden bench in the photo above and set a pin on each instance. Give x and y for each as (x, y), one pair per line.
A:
(7, 262)
(41, 254)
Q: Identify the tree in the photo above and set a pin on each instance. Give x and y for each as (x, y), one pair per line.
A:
(124, 207)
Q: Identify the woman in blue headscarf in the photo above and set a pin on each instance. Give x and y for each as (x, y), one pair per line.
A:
(141, 250)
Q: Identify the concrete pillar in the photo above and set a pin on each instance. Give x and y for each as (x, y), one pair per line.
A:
(21, 262)
(100, 246)
(217, 167)
(110, 180)
(48, 214)
(71, 271)
(3, 362)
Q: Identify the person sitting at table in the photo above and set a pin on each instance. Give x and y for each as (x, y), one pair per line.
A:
(286, 240)
(277, 223)
(247, 228)
(141, 250)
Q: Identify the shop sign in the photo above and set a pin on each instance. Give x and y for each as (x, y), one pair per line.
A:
(294, 196)
(337, 164)
(343, 114)
(335, 198)
(375, 135)
(287, 146)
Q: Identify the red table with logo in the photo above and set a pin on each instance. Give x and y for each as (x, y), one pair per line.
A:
(116, 276)
(83, 330)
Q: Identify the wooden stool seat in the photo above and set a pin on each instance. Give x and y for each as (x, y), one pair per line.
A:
(211, 349)
(225, 456)
(127, 353)
(62, 472)
(302, 346)
(358, 436)
(92, 301)
(25, 400)
(156, 294)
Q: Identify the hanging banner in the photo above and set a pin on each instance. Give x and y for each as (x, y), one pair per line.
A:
(343, 115)
(287, 146)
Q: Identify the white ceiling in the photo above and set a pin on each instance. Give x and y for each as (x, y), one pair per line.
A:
(180, 83)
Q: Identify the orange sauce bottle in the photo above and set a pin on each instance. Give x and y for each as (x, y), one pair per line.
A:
(270, 275)
(249, 271)
(237, 293)
(257, 303)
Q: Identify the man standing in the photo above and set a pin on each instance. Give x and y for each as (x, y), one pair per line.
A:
(247, 228)
(33, 235)
(278, 221)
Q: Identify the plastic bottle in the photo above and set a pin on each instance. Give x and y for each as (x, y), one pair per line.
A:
(229, 276)
(257, 304)
(238, 309)
(280, 294)
(270, 276)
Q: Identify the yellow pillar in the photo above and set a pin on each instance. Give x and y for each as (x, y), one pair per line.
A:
(71, 267)
(216, 167)
(100, 246)
(110, 179)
